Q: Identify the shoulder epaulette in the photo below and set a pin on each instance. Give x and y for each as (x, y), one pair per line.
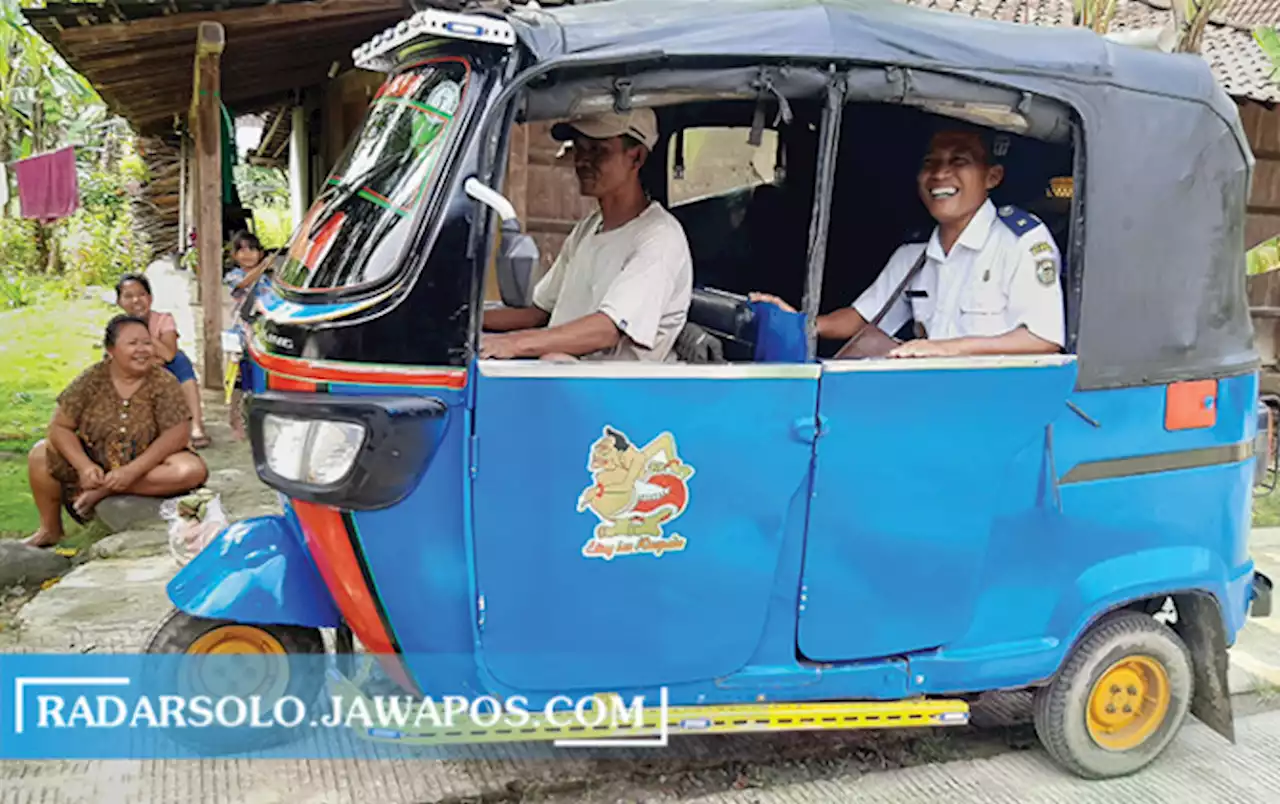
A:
(1018, 220)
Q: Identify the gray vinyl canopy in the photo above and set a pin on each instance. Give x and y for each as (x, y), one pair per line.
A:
(1166, 165)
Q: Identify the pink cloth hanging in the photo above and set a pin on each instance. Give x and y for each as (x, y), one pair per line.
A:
(47, 186)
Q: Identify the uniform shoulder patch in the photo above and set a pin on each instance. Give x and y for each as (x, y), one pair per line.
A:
(1047, 271)
(1018, 220)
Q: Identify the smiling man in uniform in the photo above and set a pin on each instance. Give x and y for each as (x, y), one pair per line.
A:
(986, 282)
(621, 285)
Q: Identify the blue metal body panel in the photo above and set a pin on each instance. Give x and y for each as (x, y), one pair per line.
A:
(926, 544)
(557, 618)
(914, 470)
(256, 571)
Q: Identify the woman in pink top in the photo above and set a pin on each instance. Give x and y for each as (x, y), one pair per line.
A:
(133, 294)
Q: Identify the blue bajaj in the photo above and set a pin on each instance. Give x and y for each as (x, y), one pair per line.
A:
(771, 537)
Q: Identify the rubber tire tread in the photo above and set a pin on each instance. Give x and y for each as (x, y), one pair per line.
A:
(296, 640)
(178, 630)
(1051, 701)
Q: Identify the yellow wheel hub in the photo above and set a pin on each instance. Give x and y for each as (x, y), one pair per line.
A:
(236, 639)
(1128, 703)
(243, 660)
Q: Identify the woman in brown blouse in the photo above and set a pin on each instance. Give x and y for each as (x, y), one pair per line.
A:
(121, 427)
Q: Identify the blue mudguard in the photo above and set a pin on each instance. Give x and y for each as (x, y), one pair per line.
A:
(256, 571)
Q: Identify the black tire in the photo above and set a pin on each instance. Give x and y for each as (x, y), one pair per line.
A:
(1062, 709)
(304, 680)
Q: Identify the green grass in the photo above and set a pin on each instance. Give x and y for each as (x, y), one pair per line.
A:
(1266, 510)
(42, 348)
(1264, 257)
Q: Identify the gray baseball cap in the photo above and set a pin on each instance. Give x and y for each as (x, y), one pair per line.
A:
(642, 124)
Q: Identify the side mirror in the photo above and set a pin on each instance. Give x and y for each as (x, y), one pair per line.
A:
(517, 252)
(517, 259)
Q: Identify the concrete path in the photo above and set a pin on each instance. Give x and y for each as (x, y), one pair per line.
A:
(1198, 767)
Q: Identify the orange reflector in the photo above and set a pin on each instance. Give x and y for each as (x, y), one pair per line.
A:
(1191, 405)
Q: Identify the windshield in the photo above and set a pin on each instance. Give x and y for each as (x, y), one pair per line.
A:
(354, 232)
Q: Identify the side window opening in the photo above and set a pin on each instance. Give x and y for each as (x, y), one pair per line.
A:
(715, 161)
(875, 204)
(745, 208)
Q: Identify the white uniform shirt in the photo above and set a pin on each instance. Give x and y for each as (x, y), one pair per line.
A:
(640, 275)
(1002, 273)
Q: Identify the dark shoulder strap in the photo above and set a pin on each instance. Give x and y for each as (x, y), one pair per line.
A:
(874, 324)
(902, 286)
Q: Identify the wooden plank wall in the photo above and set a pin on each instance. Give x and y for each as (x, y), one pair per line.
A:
(544, 191)
(1262, 126)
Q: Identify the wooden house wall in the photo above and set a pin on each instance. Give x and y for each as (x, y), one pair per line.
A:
(1262, 126)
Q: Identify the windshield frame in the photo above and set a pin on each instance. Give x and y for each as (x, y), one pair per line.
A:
(454, 139)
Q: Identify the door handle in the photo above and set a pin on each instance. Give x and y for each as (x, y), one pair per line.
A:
(809, 428)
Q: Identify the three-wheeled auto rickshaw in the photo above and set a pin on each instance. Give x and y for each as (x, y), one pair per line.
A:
(849, 543)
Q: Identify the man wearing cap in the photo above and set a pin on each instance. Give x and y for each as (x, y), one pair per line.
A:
(621, 285)
(988, 284)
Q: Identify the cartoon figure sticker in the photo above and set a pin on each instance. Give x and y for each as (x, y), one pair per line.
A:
(635, 493)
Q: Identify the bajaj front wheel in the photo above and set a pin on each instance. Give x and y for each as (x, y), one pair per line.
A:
(1119, 700)
(244, 673)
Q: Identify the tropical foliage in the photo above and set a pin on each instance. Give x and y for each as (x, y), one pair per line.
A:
(45, 105)
(1269, 40)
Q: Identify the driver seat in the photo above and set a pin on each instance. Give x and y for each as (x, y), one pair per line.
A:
(747, 332)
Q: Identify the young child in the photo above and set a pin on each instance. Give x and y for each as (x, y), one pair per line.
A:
(251, 263)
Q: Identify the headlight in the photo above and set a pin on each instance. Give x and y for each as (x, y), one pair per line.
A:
(310, 451)
(334, 446)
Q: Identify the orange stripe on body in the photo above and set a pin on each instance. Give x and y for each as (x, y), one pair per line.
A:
(329, 372)
(330, 546)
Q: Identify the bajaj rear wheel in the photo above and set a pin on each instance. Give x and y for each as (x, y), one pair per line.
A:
(1119, 700)
(244, 662)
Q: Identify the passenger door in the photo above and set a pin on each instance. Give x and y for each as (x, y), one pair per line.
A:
(591, 580)
(918, 461)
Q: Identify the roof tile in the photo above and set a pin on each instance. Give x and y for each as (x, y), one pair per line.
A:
(1237, 62)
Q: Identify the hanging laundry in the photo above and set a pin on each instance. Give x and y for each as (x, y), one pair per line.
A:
(4, 188)
(47, 186)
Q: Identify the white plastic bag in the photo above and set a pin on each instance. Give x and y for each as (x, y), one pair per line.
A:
(194, 521)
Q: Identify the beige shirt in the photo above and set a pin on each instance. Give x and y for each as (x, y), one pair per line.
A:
(640, 275)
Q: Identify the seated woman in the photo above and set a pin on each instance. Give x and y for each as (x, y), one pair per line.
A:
(121, 427)
(133, 294)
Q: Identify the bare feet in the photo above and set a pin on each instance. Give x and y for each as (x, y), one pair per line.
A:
(43, 538)
(87, 500)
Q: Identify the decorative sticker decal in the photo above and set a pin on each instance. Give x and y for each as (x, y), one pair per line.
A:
(635, 493)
